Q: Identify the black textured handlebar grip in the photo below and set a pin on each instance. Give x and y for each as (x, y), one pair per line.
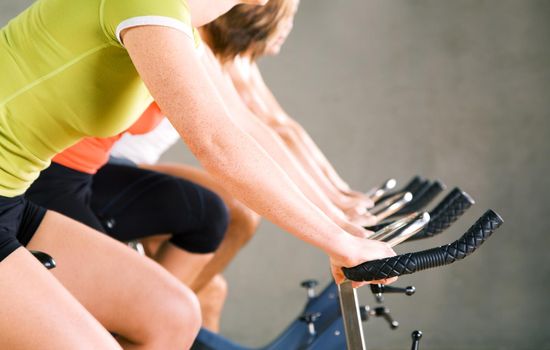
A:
(422, 199)
(456, 203)
(412, 262)
(414, 185)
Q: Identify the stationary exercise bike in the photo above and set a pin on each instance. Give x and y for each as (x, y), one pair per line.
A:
(321, 326)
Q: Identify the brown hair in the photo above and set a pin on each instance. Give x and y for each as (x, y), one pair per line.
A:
(245, 28)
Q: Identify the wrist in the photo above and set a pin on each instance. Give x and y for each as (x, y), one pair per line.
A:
(339, 250)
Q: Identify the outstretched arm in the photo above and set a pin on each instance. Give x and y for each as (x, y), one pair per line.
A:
(165, 60)
(259, 98)
(275, 147)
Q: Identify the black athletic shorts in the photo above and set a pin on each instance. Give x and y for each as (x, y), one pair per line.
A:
(130, 203)
(19, 220)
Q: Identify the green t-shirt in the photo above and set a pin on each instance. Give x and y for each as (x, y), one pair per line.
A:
(65, 75)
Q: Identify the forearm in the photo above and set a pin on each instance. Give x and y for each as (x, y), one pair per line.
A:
(276, 117)
(276, 148)
(269, 140)
(310, 146)
(250, 175)
(313, 168)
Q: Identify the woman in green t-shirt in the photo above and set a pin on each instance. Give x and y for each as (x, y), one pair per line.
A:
(89, 68)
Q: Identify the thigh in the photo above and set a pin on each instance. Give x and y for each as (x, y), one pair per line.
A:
(36, 312)
(121, 289)
(140, 202)
(65, 191)
(193, 174)
(74, 208)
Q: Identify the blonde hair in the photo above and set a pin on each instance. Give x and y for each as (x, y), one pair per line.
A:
(246, 29)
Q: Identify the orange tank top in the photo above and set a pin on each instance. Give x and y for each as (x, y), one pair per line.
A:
(91, 153)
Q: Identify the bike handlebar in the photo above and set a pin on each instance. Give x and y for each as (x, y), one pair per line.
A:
(412, 262)
(378, 192)
(446, 213)
(415, 184)
(442, 216)
(422, 199)
(412, 186)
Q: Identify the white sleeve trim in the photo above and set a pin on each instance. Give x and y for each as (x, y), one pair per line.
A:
(154, 21)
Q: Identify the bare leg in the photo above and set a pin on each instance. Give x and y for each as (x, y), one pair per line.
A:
(38, 313)
(152, 244)
(184, 265)
(242, 226)
(212, 298)
(131, 296)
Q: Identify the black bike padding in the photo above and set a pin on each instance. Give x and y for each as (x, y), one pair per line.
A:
(412, 262)
(456, 203)
(46, 260)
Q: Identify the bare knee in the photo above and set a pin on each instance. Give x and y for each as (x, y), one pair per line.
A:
(182, 313)
(176, 320)
(216, 288)
(212, 296)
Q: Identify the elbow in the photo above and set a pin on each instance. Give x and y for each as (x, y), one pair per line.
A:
(213, 154)
(286, 133)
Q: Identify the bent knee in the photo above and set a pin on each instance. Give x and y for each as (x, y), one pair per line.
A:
(217, 287)
(206, 230)
(216, 217)
(178, 317)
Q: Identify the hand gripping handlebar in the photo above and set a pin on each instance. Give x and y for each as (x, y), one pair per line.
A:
(426, 259)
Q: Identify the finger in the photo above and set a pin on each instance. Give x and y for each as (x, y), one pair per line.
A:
(355, 284)
(361, 209)
(384, 281)
(367, 203)
(368, 233)
(370, 220)
(337, 274)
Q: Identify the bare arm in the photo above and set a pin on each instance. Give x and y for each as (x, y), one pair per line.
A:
(166, 62)
(261, 101)
(287, 122)
(274, 146)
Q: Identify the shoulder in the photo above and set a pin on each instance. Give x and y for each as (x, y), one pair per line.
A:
(118, 15)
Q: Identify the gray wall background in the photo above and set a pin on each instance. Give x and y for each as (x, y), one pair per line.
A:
(454, 90)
